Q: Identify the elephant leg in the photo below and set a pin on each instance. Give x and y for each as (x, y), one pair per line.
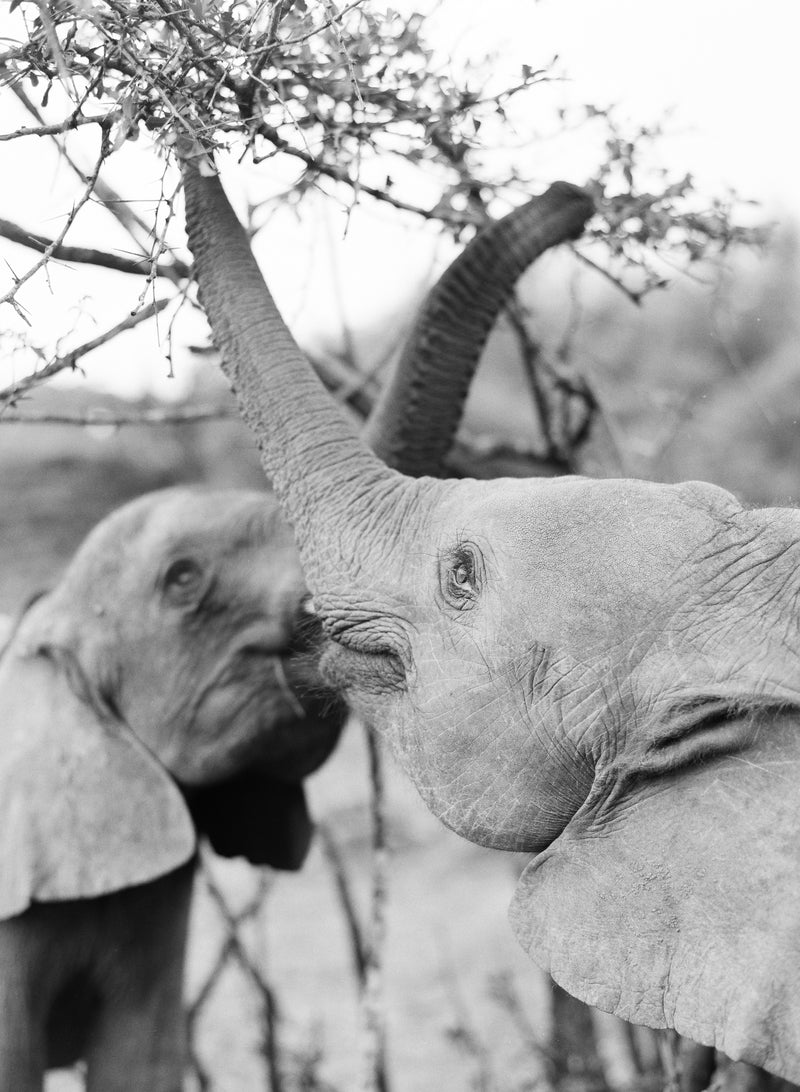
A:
(22, 1024)
(22, 1047)
(137, 1043)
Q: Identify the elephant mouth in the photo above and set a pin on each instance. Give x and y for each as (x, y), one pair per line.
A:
(293, 677)
(373, 671)
(292, 665)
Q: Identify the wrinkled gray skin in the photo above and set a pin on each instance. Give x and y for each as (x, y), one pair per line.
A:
(175, 641)
(602, 673)
(135, 640)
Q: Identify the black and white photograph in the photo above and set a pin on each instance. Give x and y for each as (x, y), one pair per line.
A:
(399, 546)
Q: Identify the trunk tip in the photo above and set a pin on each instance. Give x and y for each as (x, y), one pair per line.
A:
(565, 192)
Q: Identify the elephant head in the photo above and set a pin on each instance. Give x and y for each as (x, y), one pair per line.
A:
(602, 673)
(173, 649)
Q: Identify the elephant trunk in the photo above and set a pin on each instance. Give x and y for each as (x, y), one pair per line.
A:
(415, 421)
(328, 481)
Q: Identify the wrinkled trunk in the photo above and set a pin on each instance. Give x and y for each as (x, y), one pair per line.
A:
(416, 419)
(325, 476)
(332, 487)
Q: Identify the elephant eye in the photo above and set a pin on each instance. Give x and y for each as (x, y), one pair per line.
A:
(461, 577)
(182, 580)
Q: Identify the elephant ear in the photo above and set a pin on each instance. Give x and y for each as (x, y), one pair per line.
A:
(85, 809)
(255, 817)
(677, 902)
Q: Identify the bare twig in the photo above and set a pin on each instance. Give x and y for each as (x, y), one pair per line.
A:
(237, 950)
(119, 208)
(633, 296)
(461, 1031)
(10, 395)
(442, 213)
(324, 25)
(531, 352)
(374, 1076)
(540, 1061)
(176, 269)
(186, 416)
(670, 1054)
(160, 242)
(358, 944)
(56, 128)
(47, 253)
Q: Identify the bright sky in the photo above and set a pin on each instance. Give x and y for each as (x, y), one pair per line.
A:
(727, 69)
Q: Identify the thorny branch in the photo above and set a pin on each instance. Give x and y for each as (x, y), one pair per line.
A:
(374, 1075)
(350, 97)
(121, 210)
(89, 255)
(48, 251)
(235, 948)
(9, 396)
(186, 415)
(358, 943)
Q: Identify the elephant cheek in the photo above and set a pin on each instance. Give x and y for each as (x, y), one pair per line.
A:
(219, 737)
(512, 789)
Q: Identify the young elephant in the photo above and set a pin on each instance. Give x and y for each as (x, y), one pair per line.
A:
(173, 645)
(601, 673)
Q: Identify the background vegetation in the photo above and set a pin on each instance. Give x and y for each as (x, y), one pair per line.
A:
(351, 106)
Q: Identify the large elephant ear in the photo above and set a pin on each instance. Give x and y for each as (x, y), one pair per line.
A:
(256, 817)
(85, 809)
(677, 902)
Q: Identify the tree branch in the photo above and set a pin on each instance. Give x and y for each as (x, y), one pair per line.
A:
(174, 270)
(10, 395)
(187, 415)
(47, 253)
(107, 195)
(57, 128)
(439, 212)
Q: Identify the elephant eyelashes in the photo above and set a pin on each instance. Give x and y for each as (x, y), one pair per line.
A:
(183, 581)
(461, 577)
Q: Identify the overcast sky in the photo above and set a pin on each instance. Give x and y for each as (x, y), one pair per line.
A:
(729, 69)
(726, 68)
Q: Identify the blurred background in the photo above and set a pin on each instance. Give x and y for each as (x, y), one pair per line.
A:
(655, 348)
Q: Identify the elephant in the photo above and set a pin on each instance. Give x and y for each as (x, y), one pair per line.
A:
(163, 686)
(601, 673)
(172, 652)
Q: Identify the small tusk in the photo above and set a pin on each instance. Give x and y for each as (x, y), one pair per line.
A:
(309, 606)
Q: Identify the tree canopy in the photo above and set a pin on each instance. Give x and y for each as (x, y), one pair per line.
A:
(352, 99)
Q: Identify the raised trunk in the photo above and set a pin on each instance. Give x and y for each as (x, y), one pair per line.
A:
(325, 476)
(415, 421)
(332, 487)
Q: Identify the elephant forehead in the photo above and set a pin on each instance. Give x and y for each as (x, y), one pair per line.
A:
(222, 521)
(604, 534)
(140, 534)
(559, 516)
(585, 567)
